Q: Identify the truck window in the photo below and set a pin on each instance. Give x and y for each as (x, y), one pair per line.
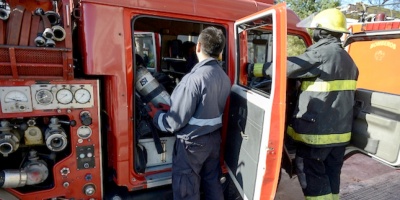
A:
(145, 47)
(259, 50)
(191, 38)
(295, 45)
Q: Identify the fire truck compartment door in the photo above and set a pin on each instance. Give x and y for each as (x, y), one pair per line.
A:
(376, 128)
(250, 111)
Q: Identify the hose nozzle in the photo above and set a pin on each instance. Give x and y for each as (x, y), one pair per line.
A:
(48, 33)
(50, 43)
(59, 33)
(54, 18)
(4, 11)
(40, 41)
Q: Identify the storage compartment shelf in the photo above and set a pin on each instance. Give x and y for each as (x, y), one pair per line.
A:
(36, 41)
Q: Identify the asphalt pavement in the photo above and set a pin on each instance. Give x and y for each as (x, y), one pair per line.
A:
(362, 178)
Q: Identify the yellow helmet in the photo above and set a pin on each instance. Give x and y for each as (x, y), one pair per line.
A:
(330, 19)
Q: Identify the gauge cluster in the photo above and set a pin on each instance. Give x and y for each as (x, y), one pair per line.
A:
(17, 99)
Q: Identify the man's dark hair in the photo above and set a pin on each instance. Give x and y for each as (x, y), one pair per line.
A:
(212, 41)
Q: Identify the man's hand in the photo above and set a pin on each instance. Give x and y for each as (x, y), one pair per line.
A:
(259, 69)
(250, 69)
(164, 107)
(152, 110)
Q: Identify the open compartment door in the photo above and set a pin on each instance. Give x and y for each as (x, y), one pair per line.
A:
(376, 127)
(254, 138)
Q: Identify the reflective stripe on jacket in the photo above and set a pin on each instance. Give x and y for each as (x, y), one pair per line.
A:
(197, 102)
(324, 110)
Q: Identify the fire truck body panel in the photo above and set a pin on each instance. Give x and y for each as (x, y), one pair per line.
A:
(86, 110)
(118, 69)
(374, 48)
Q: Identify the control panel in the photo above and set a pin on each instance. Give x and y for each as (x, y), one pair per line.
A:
(17, 99)
(50, 131)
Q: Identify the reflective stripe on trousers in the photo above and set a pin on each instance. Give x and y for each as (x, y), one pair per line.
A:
(328, 86)
(319, 170)
(324, 197)
(319, 139)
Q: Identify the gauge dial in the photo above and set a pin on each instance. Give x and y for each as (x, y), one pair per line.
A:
(44, 97)
(64, 96)
(82, 96)
(84, 132)
(15, 96)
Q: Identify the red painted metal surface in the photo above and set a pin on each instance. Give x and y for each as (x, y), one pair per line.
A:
(105, 42)
(277, 130)
(375, 56)
(23, 60)
(376, 26)
(108, 51)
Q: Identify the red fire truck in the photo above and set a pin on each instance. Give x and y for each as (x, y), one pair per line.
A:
(72, 124)
(373, 46)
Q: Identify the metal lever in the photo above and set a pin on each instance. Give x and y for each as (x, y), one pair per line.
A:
(244, 136)
(70, 123)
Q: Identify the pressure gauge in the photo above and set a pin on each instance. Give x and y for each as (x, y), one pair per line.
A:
(15, 99)
(44, 97)
(82, 96)
(84, 132)
(64, 96)
(15, 96)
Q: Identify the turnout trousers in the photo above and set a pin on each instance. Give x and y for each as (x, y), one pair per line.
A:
(318, 171)
(196, 164)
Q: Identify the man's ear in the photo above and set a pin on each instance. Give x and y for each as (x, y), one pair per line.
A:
(198, 47)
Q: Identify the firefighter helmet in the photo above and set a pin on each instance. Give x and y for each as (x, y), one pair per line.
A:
(330, 19)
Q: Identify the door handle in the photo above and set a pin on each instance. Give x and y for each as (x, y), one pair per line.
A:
(359, 103)
(244, 136)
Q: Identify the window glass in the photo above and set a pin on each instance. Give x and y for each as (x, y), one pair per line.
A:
(190, 38)
(144, 43)
(259, 50)
(295, 45)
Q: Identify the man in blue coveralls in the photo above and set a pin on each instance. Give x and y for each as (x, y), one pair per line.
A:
(195, 117)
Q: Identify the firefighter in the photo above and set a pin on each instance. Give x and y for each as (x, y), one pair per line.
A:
(195, 117)
(322, 120)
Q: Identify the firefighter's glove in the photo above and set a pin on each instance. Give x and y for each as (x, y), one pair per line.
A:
(250, 69)
(152, 110)
(259, 69)
(255, 69)
(164, 107)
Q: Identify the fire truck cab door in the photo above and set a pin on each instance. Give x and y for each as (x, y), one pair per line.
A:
(251, 108)
(376, 128)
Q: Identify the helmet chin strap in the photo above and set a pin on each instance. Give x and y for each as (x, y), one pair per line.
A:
(316, 35)
(321, 33)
